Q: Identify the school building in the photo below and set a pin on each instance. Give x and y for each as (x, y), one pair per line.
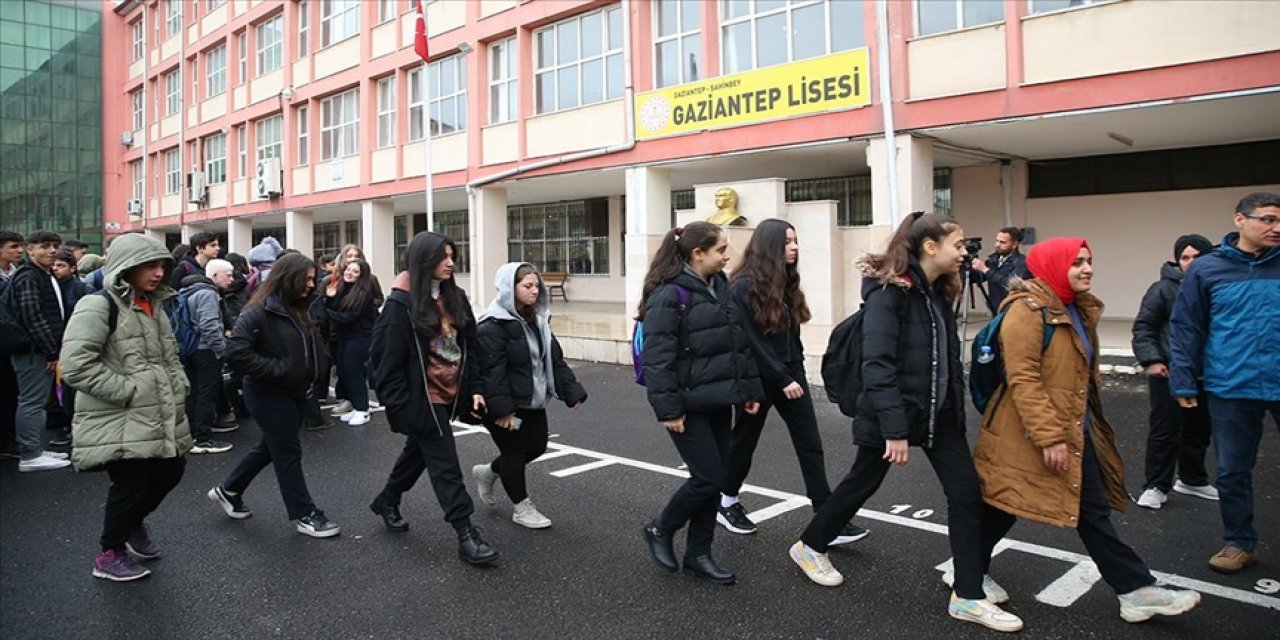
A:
(574, 133)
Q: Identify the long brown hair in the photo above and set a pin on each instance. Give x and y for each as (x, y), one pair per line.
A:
(674, 253)
(287, 283)
(907, 244)
(529, 312)
(775, 285)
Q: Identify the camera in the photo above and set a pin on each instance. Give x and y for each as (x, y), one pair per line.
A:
(973, 246)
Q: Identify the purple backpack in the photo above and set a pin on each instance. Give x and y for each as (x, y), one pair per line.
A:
(637, 334)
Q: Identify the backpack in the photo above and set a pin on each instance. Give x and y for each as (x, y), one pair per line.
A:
(184, 329)
(842, 364)
(13, 337)
(986, 364)
(637, 334)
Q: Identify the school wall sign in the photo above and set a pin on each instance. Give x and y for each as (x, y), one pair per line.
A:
(838, 81)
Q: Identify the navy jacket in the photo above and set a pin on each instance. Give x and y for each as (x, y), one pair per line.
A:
(1151, 327)
(1224, 322)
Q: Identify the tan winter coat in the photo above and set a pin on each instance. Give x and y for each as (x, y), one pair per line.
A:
(1044, 405)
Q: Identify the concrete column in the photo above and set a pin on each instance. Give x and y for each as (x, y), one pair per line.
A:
(648, 219)
(821, 260)
(155, 233)
(189, 230)
(914, 164)
(239, 235)
(488, 210)
(377, 234)
(298, 232)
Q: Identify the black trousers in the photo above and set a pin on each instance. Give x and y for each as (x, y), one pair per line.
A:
(801, 423)
(8, 404)
(518, 449)
(704, 447)
(1120, 567)
(1178, 439)
(279, 418)
(353, 354)
(137, 488)
(953, 464)
(204, 372)
(437, 455)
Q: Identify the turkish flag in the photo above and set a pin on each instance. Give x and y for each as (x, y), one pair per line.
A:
(420, 32)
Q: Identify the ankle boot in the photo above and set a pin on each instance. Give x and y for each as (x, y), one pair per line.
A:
(472, 549)
(390, 513)
(660, 547)
(702, 566)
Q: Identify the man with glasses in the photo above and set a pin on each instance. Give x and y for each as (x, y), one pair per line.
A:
(1223, 330)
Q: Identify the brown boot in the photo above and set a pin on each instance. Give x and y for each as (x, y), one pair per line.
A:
(1232, 559)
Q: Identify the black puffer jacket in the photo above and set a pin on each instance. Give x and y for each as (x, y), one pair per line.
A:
(1151, 327)
(347, 323)
(507, 368)
(778, 355)
(702, 363)
(899, 363)
(234, 300)
(274, 351)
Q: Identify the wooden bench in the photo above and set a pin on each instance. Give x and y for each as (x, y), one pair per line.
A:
(554, 281)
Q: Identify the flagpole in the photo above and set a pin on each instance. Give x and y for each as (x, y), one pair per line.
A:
(426, 153)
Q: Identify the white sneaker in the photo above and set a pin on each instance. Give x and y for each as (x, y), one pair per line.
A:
(356, 418)
(983, 612)
(815, 565)
(485, 479)
(994, 592)
(1152, 498)
(373, 404)
(1206, 491)
(43, 463)
(58, 455)
(527, 515)
(1142, 604)
(343, 407)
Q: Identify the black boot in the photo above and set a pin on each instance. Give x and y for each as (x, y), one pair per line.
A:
(472, 549)
(390, 512)
(660, 548)
(704, 567)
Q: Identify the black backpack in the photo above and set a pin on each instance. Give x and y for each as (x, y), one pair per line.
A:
(842, 364)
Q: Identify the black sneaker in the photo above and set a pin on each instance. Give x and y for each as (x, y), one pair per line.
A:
(316, 525)
(61, 440)
(210, 446)
(317, 426)
(224, 427)
(850, 533)
(472, 549)
(735, 519)
(232, 505)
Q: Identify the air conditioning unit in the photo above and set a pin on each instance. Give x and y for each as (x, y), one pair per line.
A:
(267, 183)
(126, 138)
(133, 207)
(197, 190)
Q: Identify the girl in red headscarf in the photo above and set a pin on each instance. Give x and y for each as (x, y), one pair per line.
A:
(1045, 452)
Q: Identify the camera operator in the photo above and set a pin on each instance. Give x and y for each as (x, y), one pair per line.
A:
(1001, 266)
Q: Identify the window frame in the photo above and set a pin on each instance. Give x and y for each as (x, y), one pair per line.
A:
(960, 24)
(139, 31)
(752, 17)
(607, 52)
(348, 17)
(506, 86)
(304, 135)
(215, 166)
(273, 52)
(172, 171)
(1033, 11)
(210, 5)
(215, 75)
(137, 177)
(137, 109)
(556, 227)
(385, 94)
(242, 56)
(173, 19)
(387, 11)
(340, 125)
(263, 130)
(173, 91)
(242, 154)
(679, 38)
(304, 28)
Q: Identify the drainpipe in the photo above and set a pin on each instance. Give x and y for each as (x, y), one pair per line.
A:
(886, 108)
(146, 126)
(1006, 184)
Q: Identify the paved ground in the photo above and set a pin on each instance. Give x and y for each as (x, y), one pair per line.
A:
(609, 470)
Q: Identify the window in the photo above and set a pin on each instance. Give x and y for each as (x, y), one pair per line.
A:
(771, 32)
(270, 137)
(456, 226)
(387, 112)
(339, 20)
(173, 91)
(213, 4)
(386, 10)
(339, 125)
(215, 159)
(851, 193)
(215, 68)
(448, 106)
(678, 45)
(135, 97)
(352, 230)
(195, 79)
(1229, 165)
(304, 28)
(570, 236)
(242, 54)
(504, 101)
(270, 45)
(326, 238)
(579, 61)
(937, 16)
(1041, 6)
(172, 171)
(135, 169)
(242, 155)
(138, 33)
(304, 135)
(174, 21)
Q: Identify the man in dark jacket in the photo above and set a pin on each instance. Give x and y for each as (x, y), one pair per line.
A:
(204, 367)
(1001, 266)
(1178, 437)
(10, 260)
(204, 247)
(38, 301)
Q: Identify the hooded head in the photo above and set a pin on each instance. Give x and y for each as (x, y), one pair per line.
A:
(1050, 260)
(130, 250)
(89, 263)
(266, 252)
(1200, 243)
(505, 305)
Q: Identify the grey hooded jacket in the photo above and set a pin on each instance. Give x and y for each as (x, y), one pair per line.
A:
(206, 313)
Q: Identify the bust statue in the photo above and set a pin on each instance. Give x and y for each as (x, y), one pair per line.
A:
(727, 209)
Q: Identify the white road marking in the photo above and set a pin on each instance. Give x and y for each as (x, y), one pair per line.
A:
(778, 508)
(553, 455)
(570, 471)
(1068, 588)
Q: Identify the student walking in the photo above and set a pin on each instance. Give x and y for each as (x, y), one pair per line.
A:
(130, 418)
(521, 369)
(766, 287)
(697, 368)
(422, 345)
(1178, 438)
(274, 345)
(912, 396)
(351, 306)
(1045, 451)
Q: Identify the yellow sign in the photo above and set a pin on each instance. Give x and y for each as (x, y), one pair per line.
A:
(839, 81)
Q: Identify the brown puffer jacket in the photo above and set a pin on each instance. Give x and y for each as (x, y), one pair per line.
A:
(1043, 405)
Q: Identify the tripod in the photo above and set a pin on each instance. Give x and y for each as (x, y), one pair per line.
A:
(968, 300)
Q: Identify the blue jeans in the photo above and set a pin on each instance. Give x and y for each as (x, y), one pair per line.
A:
(353, 353)
(1237, 430)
